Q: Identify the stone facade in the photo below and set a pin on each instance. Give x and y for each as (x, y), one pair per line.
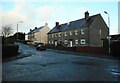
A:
(89, 31)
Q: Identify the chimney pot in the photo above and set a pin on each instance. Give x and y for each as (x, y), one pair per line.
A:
(57, 24)
(46, 23)
(35, 27)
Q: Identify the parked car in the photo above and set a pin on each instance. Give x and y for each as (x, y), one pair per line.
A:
(40, 47)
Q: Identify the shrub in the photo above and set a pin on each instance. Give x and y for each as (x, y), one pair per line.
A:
(9, 50)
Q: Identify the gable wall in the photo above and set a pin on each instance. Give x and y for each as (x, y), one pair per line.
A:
(94, 32)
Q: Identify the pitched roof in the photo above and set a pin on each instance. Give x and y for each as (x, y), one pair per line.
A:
(35, 30)
(81, 23)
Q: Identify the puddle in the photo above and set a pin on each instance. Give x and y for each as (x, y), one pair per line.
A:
(115, 72)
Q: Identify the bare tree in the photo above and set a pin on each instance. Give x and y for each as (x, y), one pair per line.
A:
(7, 30)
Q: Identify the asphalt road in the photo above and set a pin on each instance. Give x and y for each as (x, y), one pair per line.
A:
(56, 66)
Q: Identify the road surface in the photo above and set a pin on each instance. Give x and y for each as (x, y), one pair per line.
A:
(50, 65)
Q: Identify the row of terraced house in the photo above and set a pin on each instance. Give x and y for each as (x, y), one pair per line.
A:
(88, 31)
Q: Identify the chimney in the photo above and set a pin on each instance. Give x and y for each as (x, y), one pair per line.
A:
(30, 29)
(57, 24)
(46, 24)
(86, 15)
(35, 27)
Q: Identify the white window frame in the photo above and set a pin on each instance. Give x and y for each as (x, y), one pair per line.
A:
(65, 33)
(60, 41)
(82, 31)
(55, 34)
(82, 41)
(52, 35)
(100, 31)
(65, 41)
(60, 34)
(76, 32)
(52, 42)
(70, 32)
(49, 42)
(76, 41)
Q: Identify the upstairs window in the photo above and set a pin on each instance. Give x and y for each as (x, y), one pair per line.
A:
(100, 32)
(52, 35)
(76, 32)
(56, 35)
(70, 32)
(65, 33)
(82, 31)
(49, 42)
(60, 34)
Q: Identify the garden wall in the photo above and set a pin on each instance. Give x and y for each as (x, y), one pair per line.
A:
(91, 50)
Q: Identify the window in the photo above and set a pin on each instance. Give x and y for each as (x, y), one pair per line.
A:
(56, 35)
(82, 41)
(82, 31)
(65, 41)
(52, 35)
(76, 32)
(102, 42)
(100, 32)
(59, 34)
(70, 32)
(76, 41)
(49, 42)
(52, 42)
(65, 33)
(60, 42)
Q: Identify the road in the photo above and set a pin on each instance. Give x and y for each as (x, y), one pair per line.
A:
(50, 65)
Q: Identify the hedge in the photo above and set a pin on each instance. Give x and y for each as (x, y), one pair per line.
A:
(9, 51)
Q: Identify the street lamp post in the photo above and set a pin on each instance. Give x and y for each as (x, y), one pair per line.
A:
(17, 27)
(108, 30)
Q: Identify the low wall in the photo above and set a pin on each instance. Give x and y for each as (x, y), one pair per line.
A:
(81, 49)
(61, 48)
(115, 48)
(9, 51)
(92, 50)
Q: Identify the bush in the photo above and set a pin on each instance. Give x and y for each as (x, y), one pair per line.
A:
(9, 51)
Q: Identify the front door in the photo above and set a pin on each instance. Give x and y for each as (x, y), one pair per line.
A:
(55, 43)
(71, 43)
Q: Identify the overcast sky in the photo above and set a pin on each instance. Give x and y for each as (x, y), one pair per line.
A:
(37, 13)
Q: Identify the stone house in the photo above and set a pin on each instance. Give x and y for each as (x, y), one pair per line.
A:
(88, 31)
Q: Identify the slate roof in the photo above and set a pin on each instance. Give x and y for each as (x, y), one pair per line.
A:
(35, 30)
(81, 23)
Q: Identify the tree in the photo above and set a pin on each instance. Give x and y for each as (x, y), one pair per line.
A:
(7, 30)
(19, 36)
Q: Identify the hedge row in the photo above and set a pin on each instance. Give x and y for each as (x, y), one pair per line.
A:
(9, 51)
